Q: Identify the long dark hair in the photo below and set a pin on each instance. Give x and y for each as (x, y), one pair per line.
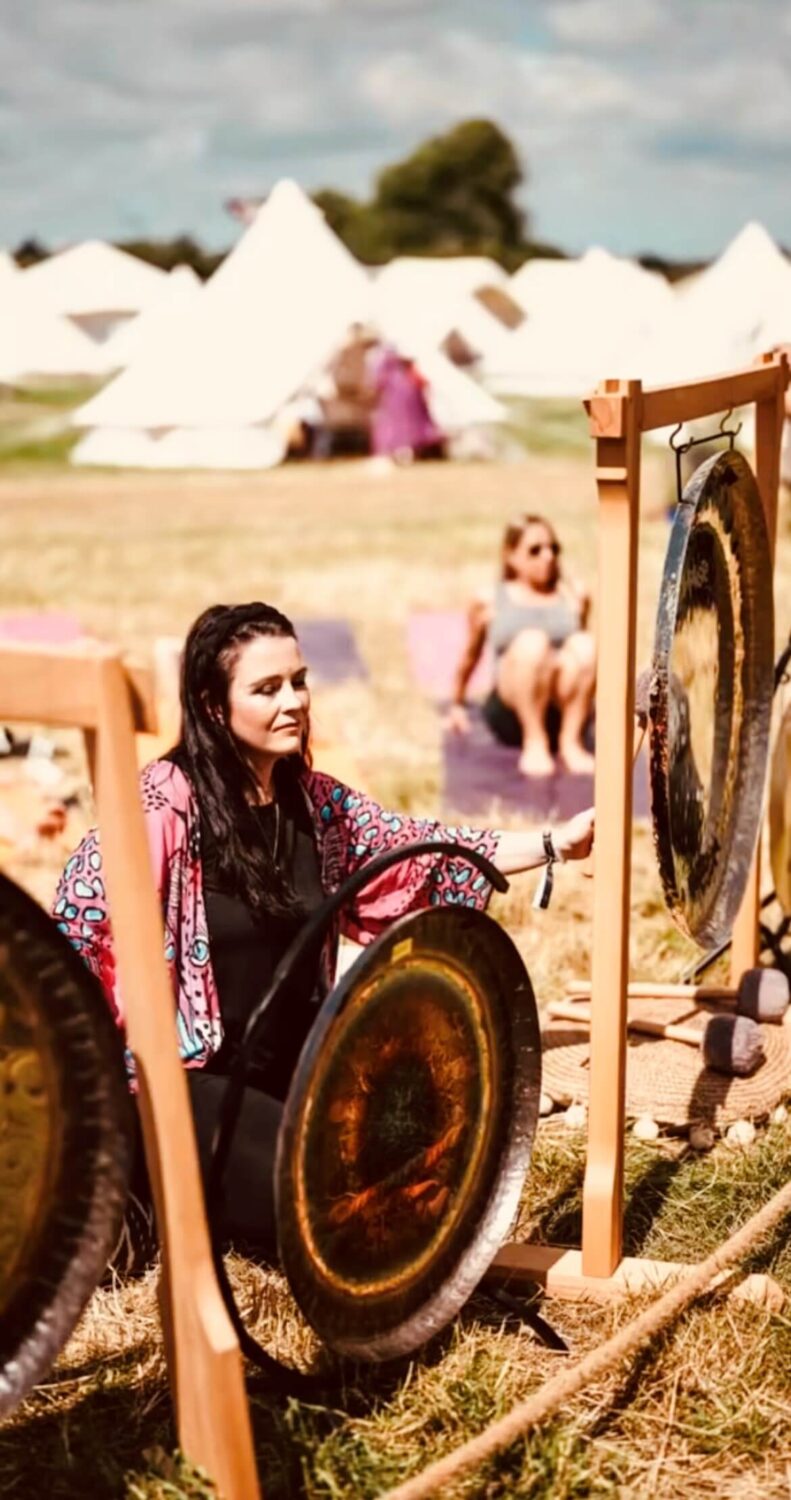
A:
(512, 534)
(224, 781)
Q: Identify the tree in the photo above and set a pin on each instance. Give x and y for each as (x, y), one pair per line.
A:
(177, 252)
(455, 193)
(30, 252)
(358, 224)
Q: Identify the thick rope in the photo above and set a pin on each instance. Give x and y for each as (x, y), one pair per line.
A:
(601, 1361)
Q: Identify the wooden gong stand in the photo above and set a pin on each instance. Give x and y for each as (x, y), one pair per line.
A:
(619, 413)
(89, 686)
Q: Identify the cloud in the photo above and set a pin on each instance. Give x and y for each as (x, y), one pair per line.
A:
(528, 90)
(604, 23)
(636, 122)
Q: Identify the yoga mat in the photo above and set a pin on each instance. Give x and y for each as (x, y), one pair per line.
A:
(435, 641)
(478, 771)
(330, 650)
(329, 645)
(47, 629)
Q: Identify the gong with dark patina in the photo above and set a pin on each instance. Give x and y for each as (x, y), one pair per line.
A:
(65, 1140)
(711, 696)
(407, 1132)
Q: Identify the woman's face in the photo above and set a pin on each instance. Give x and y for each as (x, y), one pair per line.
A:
(534, 558)
(268, 698)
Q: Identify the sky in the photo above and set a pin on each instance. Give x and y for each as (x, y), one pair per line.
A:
(644, 125)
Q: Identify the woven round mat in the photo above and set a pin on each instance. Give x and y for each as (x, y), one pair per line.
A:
(667, 1080)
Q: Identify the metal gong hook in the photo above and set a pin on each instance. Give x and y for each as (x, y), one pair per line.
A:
(680, 449)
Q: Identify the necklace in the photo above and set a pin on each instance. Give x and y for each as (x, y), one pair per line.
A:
(276, 843)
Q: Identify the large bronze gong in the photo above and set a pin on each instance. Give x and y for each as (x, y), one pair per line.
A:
(711, 696)
(65, 1140)
(407, 1132)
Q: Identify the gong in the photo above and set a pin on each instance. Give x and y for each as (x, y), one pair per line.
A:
(780, 812)
(65, 1140)
(711, 697)
(407, 1132)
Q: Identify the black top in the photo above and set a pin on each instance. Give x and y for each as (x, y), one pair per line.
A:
(245, 947)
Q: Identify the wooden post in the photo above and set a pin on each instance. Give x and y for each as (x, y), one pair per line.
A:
(615, 414)
(211, 1406)
(769, 418)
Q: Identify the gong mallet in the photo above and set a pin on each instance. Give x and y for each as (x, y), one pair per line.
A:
(763, 994)
(728, 1044)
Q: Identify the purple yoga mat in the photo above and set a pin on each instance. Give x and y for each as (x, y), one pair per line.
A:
(478, 771)
(330, 650)
(329, 645)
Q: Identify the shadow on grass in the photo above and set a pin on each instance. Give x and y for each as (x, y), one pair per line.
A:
(559, 1221)
(64, 1443)
(118, 1439)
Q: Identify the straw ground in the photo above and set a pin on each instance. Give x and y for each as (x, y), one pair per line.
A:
(706, 1411)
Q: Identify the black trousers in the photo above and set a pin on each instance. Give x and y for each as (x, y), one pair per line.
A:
(248, 1210)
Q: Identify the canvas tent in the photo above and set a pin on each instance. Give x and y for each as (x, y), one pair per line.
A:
(95, 285)
(34, 340)
(207, 390)
(427, 301)
(541, 279)
(172, 299)
(584, 317)
(725, 315)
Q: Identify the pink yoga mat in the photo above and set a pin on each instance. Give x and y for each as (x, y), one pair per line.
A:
(52, 629)
(435, 641)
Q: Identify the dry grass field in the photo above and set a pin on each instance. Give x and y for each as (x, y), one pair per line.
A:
(706, 1410)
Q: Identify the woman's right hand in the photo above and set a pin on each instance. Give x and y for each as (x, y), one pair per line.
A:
(457, 719)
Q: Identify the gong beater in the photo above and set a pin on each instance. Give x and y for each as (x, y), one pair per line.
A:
(711, 695)
(408, 1127)
(65, 1140)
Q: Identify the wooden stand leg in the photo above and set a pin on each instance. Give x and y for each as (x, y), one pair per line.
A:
(618, 479)
(206, 1367)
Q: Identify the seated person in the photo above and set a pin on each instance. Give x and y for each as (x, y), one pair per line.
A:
(246, 840)
(348, 396)
(544, 654)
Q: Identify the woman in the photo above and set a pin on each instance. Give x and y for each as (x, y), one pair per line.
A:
(402, 427)
(246, 840)
(544, 655)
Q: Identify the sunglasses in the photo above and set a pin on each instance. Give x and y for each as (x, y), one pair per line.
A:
(537, 548)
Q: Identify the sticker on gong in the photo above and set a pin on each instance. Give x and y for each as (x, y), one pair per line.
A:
(711, 696)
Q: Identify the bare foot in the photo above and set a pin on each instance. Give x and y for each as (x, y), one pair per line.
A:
(576, 758)
(536, 760)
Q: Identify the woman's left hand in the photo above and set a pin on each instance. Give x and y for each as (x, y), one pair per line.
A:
(574, 839)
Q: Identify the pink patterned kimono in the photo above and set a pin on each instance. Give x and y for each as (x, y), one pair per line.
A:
(349, 828)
